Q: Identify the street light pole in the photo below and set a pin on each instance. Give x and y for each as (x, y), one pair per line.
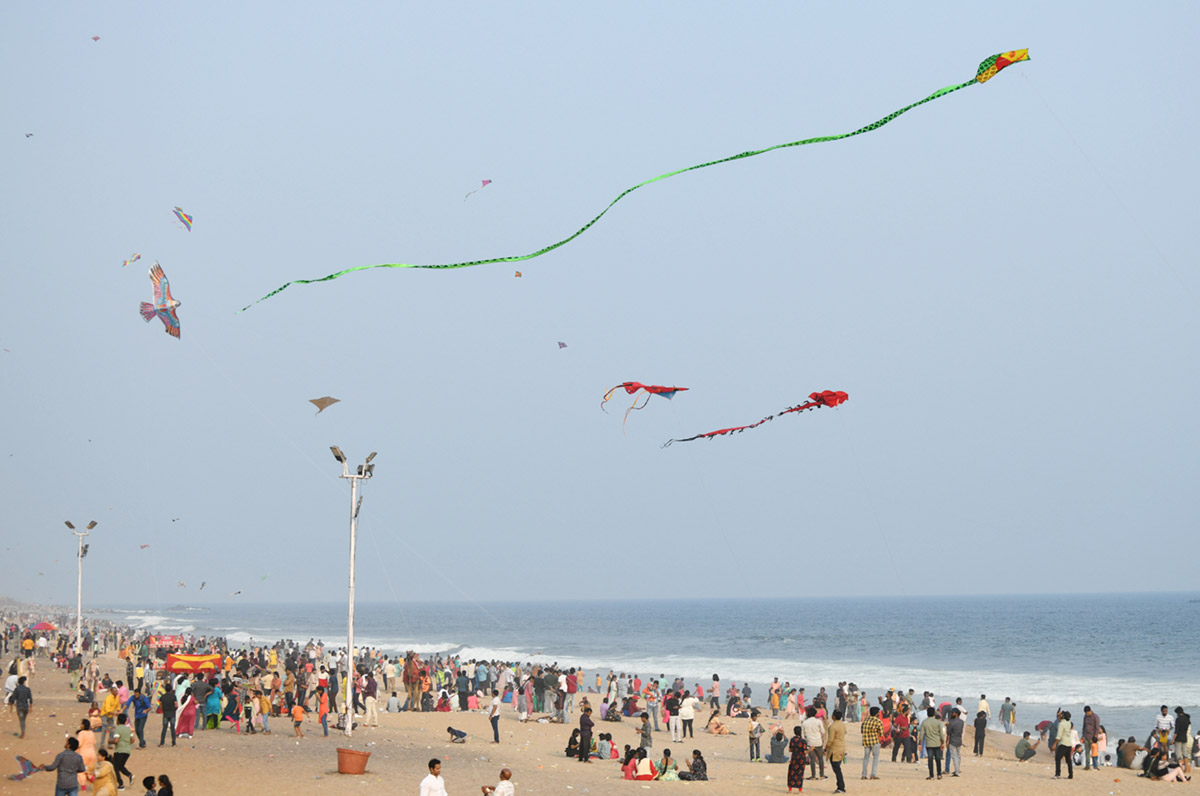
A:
(79, 590)
(363, 471)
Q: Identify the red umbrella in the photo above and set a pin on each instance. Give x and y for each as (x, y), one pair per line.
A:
(44, 626)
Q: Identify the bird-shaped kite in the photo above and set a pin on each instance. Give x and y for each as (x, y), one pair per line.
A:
(486, 183)
(632, 388)
(184, 218)
(562, 345)
(143, 546)
(132, 259)
(182, 585)
(815, 400)
(29, 135)
(95, 38)
(164, 306)
(324, 403)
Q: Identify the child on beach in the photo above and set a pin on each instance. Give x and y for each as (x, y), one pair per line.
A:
(456, 736)
(148, 784)
(298, 715)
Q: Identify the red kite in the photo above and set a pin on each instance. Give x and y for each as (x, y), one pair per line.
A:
(815, 400)
(632, 387)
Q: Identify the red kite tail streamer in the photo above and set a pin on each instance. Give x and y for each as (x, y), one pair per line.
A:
(815, 401)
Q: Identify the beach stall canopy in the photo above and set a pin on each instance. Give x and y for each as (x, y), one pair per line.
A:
(44, 626)
(193, 663)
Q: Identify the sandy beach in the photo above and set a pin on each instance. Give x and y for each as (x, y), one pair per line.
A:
(226, 762)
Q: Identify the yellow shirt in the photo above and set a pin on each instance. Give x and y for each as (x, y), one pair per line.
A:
(111, 705)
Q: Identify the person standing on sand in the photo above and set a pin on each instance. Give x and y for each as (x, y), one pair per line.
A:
(933, 735)
(1089, 735)
(954, 740)
(494, 715)
(69, 765)
(872, 730)
(1063, 746)
(814, 741)
(22, 700)
(645, 739)
(835, 747)
(1183, 748)
(433, 784)
(585, 735)
(167, 704)
(1006, 715)
(980, 732)
(799, 752)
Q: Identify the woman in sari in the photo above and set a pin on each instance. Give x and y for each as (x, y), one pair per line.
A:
(105, 783)
(87, 749)
(185, 716)
(799, 751)
(715, 725)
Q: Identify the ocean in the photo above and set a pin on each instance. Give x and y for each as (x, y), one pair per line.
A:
(1122, 654)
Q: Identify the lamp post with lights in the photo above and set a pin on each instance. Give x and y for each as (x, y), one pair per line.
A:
(83, 550)
(362, 472)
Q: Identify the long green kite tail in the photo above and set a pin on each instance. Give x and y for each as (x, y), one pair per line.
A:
(986, 71)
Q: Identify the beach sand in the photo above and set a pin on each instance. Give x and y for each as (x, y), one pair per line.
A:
(221, 761)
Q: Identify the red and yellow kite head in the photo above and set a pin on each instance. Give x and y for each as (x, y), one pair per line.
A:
(990, 66)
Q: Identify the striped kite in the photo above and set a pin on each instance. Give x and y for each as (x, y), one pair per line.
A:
(132, 259)
(632, 388)
(986, 71)
(184, 218)
(815, 400)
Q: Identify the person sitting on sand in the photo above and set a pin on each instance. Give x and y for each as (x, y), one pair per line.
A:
(698, 769)
(668, 769)
(645, 769)
(573, 744)
(502, 788)
(456, 736)
(1130, 754)
(629, 767)
(1026, 750)
(603, 746)
(715, 725)
(779, 748)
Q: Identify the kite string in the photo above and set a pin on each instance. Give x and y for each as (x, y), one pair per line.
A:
(1116, 196)
(546, 249)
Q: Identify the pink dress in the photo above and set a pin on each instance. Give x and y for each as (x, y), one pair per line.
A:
(186, 723)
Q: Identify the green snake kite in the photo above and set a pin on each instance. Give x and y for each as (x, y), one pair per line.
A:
(987, 70)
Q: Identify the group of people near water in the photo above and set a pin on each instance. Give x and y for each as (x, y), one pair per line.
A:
(250, 685)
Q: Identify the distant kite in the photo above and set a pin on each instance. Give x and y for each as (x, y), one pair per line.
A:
(164, 305)
(517, 274)
(182, 585)
(174, 519)
(236, 593)
(184, 218)
(561, 345)
(324, 403)
(264, 577)
(202, 585)
(29, 135)
(143, 546)
(988, 68)
(95, 38)
(632, 388)
(815, 400)
(132, 259)
(486, 183)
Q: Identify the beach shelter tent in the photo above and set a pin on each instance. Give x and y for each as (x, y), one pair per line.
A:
(44, 626)
(193, 663)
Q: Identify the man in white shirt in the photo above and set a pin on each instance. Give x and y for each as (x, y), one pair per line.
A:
(494, 716)
(434, 785)
(813, 730)
(503, 788)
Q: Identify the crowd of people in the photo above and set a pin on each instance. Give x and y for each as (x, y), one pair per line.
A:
(247, 687)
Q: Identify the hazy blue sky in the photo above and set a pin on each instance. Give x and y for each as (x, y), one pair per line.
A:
(1002, 280)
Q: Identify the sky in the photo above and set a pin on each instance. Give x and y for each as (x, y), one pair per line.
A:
(1003, 281)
